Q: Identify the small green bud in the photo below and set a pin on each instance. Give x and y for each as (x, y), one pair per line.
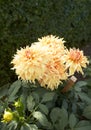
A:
(17, 104)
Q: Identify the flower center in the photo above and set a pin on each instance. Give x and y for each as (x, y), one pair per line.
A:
(75, 55)
(29, 54)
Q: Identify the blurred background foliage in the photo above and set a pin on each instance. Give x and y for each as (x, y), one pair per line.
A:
(23, 21)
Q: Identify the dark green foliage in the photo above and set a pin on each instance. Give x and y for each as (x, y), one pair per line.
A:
(31, 109)
(23, 21)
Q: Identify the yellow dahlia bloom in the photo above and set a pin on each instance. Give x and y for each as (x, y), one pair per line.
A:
(54, 74)
(55, 45)
(8, 116)
(29, 63)
(75, 61)
(55, 69)
(51, 40)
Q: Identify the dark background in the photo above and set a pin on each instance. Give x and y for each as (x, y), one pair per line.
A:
(24, 21)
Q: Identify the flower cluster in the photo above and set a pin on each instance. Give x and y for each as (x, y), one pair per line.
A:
(14, 115)
(48, 61)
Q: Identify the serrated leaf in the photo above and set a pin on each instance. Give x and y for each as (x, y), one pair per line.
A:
(48, 96)
(42, 119)
(80, 84)
(64, 118)
(30, 103)
(24, 128)
(89, 81)
(14, 88)
(65, 104)
(14, 85)
(87, 112)
(36, 97)
(83, 128)
(33, 127)
(84, 97)
(12, 125)
(74, 107)
(44, 109)
(55, 117)
(83, 125)
(25, 84)
(72, 120)
(59, 116)
(29, 127)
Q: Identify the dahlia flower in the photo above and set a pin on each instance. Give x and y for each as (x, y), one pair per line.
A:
(51, 40)
(54, 74)
(75, 61)
(29, 63)
(55, 45)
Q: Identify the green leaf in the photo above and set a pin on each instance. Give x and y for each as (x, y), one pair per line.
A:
(72, 120)
(36, 97)
(4, 126)
(80, 84)
(55, 117)
(48, 96)
(87, 112)
(14, 88)
(44, 108)
(28, 127)
(83, 125)
(4, 90)
(30, 103)
(89, 92)
(33, 127)
(65, 104)
(64, 118)
(84, 97)
(14, 85)
(59, 117)
(12, 125)
(42, 119)
(89, 80)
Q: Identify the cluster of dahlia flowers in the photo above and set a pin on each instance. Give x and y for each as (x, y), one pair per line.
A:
(48, 61)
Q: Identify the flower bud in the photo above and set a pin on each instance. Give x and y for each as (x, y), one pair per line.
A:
(17, 104)
(8, 116)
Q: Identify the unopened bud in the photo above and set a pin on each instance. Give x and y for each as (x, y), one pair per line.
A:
(8, 116)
